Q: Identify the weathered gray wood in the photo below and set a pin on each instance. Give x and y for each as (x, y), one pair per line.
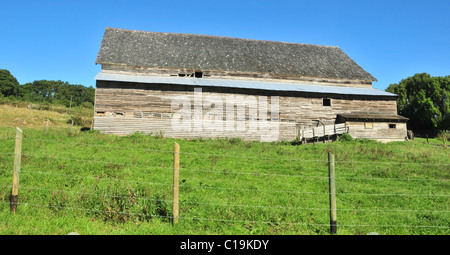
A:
(331, 173)
(120, 110)
(380, 131)
(295, 108)
(133, 70)
(323, 131)
(176, 181)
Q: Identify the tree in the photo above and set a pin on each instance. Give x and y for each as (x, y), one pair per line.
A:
(41, 91)
(46, 91)
(58, 92)
(425, 101)
(8, 84)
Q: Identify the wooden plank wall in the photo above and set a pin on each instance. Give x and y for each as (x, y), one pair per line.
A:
(140, 70)
(124, 109)
(124, 126)
(379, 131)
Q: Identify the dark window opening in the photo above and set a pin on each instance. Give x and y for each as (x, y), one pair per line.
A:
(326, 102)
(181, 74)
(198, 74)
(392, 126)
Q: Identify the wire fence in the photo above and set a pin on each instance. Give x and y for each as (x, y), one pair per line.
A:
(239, 201)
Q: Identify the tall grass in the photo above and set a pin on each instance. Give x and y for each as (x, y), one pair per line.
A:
(101, 184)
(35, 115)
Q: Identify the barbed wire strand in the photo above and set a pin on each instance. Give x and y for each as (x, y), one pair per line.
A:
(221, 171)
(392, 162)
(8, 138)
(259, 173)
(292, 159)
(235, 205)
(236, 156)
(84, 160)
(229, 220)
(299, 192)
(181, 152)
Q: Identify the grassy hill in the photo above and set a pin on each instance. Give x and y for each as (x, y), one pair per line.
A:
(92, 183)
(33, 115)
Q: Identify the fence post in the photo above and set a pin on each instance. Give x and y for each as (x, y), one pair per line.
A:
(17, 159)
(333, 217)
(176, 178)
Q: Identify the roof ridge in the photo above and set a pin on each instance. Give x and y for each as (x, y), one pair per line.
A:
(221, 36)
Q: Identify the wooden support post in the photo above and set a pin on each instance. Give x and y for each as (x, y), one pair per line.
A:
(333, 217)
(17, 159)
(176, 180)
(324, 133)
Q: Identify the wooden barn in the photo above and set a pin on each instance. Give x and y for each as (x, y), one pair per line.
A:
(191, 86)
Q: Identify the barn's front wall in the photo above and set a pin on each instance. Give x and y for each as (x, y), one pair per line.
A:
(124, 108)
(383, 131)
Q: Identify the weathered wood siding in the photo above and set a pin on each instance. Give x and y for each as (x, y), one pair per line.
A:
(379, 131)
(124, 108)
(141, 70)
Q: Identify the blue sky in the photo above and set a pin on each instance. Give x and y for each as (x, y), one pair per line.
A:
(59, 40)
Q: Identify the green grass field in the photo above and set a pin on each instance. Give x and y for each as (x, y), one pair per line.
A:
(92, 183)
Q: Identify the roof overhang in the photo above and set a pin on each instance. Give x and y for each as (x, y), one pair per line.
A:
(372, 117)
(244, 84)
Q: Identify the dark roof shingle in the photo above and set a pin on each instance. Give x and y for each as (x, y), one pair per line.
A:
(215, 53)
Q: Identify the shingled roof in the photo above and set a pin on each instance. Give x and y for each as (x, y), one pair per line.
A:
(226, 54)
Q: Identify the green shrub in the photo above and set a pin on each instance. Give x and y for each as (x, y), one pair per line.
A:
(295, 141)
(345, 138)
(444, 135)
(234, 140)
(80, 121)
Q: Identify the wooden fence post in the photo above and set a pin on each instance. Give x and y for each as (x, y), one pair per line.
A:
(17, 159)
(333, 217)
(176, 178)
